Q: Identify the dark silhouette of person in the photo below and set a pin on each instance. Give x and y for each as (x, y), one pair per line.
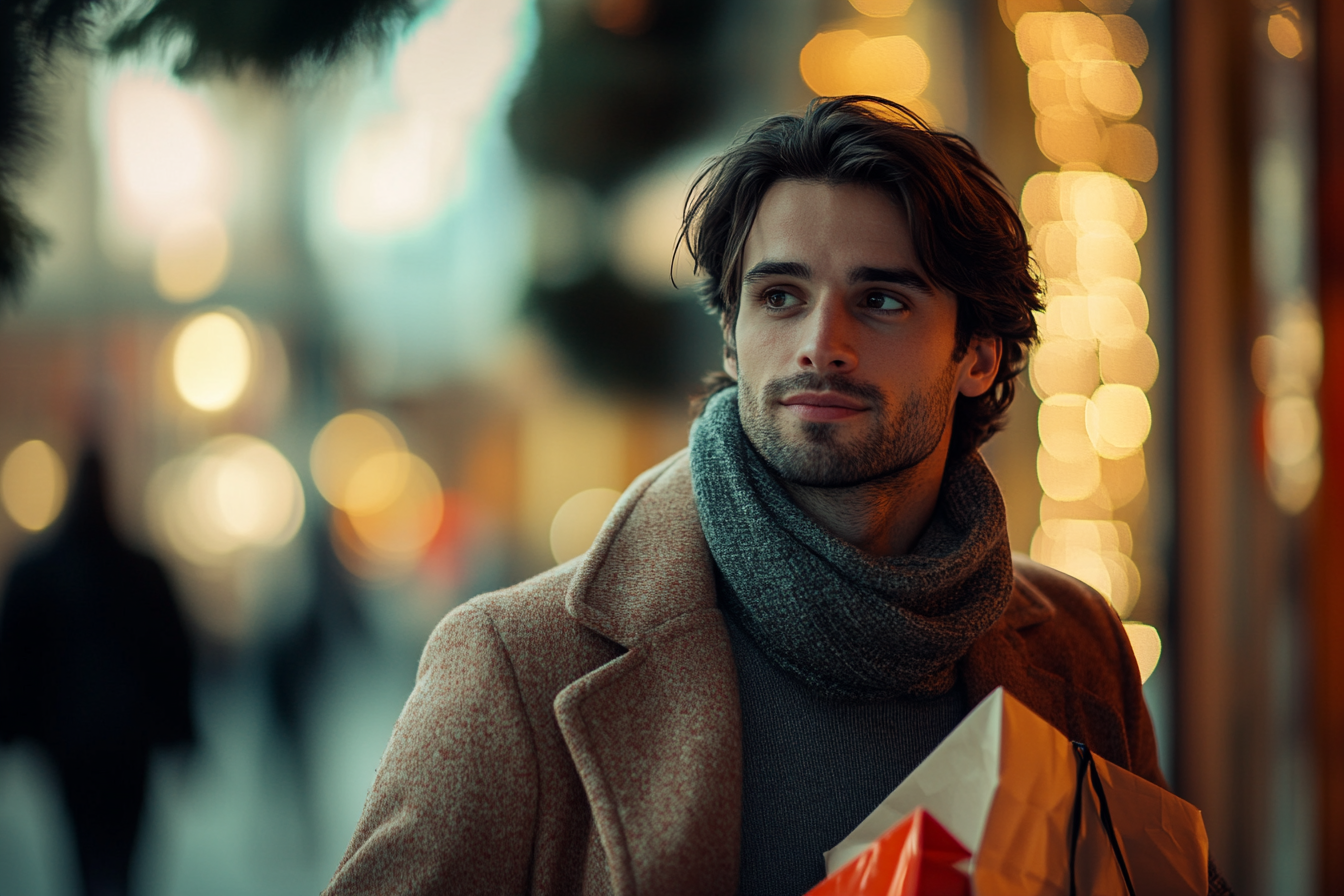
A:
(95, 668)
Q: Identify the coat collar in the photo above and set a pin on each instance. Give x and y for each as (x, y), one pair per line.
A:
(649, 563)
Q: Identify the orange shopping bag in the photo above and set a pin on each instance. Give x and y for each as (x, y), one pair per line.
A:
(917, 857)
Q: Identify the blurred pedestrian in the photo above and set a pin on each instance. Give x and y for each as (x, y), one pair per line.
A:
(95, 668)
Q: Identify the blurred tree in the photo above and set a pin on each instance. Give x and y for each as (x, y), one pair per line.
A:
(615, 83)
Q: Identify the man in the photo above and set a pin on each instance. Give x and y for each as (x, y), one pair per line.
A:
(776, 626)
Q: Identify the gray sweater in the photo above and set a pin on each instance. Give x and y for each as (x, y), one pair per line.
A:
(813, 767)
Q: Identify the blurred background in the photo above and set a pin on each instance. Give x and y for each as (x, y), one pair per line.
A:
(342, 337)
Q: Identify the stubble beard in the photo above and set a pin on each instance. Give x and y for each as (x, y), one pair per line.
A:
(818, 457)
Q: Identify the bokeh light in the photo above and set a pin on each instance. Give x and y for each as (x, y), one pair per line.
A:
(191, 256)
(578, 521)
(848, 61)
(165, 152)
(344, 446)
(399, 529)
(236, 491)
(881, 8)
(1284, 35)
(1147, 645)
(212, 360)
(32, 485)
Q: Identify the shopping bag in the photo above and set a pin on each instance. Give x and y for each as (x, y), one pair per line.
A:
(917, 857)
(1027, 804)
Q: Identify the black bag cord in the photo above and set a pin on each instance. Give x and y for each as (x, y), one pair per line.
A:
(1086, 764)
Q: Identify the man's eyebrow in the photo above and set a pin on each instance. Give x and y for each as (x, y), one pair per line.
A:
(899, 277)
(777, 269)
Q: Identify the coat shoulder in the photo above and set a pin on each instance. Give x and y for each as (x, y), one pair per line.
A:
(544, 645)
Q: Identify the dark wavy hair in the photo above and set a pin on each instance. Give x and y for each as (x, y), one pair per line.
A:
(965, 228)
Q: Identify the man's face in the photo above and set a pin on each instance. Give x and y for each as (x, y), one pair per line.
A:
(844, 349)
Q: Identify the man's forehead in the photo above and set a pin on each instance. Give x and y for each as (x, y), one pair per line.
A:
(818, 224)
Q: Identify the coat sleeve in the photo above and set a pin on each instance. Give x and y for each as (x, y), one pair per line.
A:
(453, 806)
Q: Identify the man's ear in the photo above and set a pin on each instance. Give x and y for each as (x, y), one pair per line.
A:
(980, 365)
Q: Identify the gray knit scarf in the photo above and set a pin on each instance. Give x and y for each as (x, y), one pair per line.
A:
(850, 624)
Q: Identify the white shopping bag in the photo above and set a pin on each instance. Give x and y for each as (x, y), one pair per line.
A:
(1005, 784)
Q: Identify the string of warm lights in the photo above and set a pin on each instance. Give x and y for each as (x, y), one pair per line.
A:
(1096, 360)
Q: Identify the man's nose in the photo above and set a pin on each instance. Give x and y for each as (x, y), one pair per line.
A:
(828, 346)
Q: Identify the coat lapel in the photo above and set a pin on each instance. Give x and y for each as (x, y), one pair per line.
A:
(656, 733)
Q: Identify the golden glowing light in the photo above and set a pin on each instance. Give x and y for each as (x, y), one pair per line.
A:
(1068, 136)
(345, 447)
(1105, 251)
(191, 256)
(1129, 360)
(403, 527)
(881, 8)
(32, 484)
(1121, 422)
(578, 521)
(1124, 478)
(1127, 39)
(824, 61)
(1064, 366)
(1285, 36)
(893, 67)
(1107, 7)
(165, 151)
(1292, 429)
(1293, 486)
(376, 483)
(236, 491)
(1063, 428)
(848, 61)
(1012, 11)
(1067, 480)
(1131, 152)
(212, 361)
(1147, 647)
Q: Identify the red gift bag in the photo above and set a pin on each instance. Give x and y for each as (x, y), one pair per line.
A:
(917, 857)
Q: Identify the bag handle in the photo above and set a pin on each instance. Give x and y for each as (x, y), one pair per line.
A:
(1086, 765)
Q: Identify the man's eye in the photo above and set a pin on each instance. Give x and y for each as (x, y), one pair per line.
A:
(883, 302)
(778, 299)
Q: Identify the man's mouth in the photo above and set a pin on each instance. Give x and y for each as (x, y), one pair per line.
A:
(823, 407)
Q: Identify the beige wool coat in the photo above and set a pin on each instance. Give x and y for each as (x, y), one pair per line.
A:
(580, 732)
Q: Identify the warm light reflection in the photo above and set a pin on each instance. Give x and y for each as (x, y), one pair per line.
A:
(165, 151)
(1285, 35)
(578, 521)
(191, 256)
(212, 361)
(1147, 645)
(344, 447)
(236, 491)
(32, 484)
